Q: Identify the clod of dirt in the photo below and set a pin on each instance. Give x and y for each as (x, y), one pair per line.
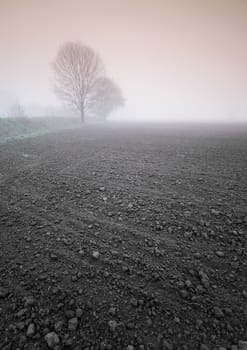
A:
(204, 347)
(166, 345)
(220, 254)
(130, 347)
(218, 312)
(113, 311)
(204, 279)
(244, 294)
(29, 301)
(52, 340)
(78, 312)
(134, 302)
(3, 292)
(30, 330)
(113, 325)
(95, 254)
(242, 345)
(73, 323)
(58, 326)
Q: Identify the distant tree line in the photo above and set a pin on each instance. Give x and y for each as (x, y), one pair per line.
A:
(80, 81)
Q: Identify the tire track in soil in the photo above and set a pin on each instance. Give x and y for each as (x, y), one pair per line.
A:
(149, 193)
(157, 239)
(163, 242)
(116, 185)
(69, 256)
(171, 263)
(93, 219)
(73, 228)
(153, 264)
(72, 210)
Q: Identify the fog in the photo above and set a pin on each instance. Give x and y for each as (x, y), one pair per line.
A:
(175, 60)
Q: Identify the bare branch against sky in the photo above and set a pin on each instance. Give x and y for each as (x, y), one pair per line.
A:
(81, 82)
(77, 68)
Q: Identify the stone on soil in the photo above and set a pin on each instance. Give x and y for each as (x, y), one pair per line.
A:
(73, 323)
(52, 340)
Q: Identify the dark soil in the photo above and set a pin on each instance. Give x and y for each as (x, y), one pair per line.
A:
(114, 237)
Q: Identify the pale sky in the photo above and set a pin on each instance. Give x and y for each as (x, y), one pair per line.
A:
(173, 59)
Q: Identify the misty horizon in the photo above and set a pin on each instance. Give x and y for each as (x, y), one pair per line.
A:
(174, 60)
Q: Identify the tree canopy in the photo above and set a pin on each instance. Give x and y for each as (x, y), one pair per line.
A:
(80, 81)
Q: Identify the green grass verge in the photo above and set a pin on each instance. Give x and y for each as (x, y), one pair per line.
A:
(12, 129)
(7, 139)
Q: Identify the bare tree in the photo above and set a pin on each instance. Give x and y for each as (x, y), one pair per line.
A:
(77, 69)
(105, 98)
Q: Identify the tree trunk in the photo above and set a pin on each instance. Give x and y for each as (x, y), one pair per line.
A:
(82, 115)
